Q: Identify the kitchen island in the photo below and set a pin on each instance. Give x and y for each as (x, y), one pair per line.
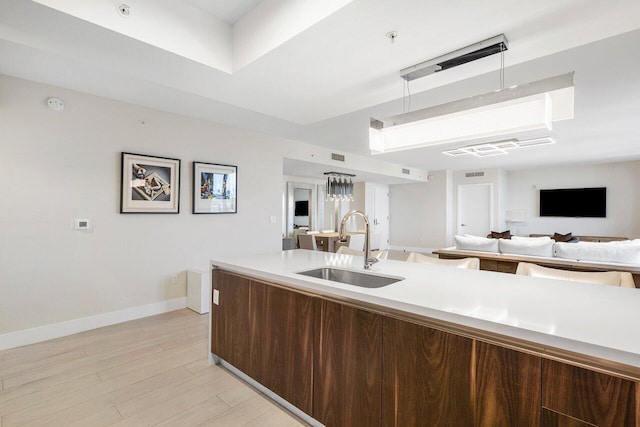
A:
(442, 346)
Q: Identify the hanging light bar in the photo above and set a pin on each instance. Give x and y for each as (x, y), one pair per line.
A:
(339, 186)
(521, 108)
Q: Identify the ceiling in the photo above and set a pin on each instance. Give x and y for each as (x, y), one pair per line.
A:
(319, 77)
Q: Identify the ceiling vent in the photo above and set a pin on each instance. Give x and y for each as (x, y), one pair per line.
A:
(470, 53)
(338, 157)
(472, 174)
(406, 171)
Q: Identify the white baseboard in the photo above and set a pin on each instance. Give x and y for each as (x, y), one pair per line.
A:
(412, 249)
(69, 327)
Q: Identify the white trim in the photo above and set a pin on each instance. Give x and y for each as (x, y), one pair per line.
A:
(69, 327)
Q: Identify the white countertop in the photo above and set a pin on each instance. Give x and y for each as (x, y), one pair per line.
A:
(595, 320)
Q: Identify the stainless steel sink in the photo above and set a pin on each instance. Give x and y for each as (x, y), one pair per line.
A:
(364, 280)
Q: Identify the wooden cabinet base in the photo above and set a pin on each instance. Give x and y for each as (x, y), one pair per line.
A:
(348, 366)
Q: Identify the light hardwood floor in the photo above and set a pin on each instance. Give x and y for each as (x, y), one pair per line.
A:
(152, 371)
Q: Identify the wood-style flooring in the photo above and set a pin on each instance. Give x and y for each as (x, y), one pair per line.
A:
(146, 372)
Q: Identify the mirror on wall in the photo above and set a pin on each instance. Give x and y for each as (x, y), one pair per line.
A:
(301, 208)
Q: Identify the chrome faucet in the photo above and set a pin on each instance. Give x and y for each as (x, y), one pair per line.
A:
(368, 259)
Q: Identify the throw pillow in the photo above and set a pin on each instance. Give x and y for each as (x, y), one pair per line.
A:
(561, 237)
(500, 235)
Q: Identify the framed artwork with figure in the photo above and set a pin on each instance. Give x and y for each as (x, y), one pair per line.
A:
(149, 184)
(214, 188)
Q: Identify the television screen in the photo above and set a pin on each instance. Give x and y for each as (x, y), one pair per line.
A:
(302, 208)
(574, 202)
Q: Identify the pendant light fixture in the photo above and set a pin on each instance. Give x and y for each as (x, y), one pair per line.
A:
(339, 186)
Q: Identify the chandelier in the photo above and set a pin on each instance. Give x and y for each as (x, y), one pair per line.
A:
(339, 186)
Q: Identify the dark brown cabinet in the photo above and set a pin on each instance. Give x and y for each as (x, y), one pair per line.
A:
(237, 334)
(267, 333)
(288, 346)
(592, 397)
(348, 366)
(507, 387)
(426, 378)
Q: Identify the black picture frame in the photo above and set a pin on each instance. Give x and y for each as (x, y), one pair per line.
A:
(149, 184)
(215, 188)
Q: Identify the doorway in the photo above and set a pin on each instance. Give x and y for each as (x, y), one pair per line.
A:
(475, 209)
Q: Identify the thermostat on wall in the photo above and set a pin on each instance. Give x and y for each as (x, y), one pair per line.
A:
(82, 224)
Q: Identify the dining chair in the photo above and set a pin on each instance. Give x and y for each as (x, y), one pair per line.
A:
(470, 263)
(345, 250)
(307, 241)
(614, 278)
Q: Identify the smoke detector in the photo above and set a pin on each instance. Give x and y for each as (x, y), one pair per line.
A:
(123, 10)
(55, 104)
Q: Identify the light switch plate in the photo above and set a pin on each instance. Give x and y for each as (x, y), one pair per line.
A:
(216, 297)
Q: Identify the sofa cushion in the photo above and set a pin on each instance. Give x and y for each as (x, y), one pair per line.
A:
(500, 234)
(529, 246)
(475, 243)
(532, 239)
(626, 252)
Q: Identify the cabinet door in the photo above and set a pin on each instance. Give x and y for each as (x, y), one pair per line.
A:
(348, 366)
(426, 378)
(553, 419)
(592, 397)
(287, 367)
(507, 387)
(236, 322)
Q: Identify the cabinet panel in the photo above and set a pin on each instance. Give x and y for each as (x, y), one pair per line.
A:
(288, 347)
(553, 419)
(507, 387)
(589, 396)
(348, 366)
(426, 378)
(488, 264)
(507, 267)
(236, 322)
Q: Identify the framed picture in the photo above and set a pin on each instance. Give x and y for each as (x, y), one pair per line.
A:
(149, 184)
(214, 188)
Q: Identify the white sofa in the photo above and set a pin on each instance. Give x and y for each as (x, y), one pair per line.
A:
(621, 252)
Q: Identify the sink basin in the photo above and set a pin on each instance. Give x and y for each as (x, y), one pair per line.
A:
(364, 280)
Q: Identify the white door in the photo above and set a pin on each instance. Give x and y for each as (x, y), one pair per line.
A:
(381, 215)
(475, 211)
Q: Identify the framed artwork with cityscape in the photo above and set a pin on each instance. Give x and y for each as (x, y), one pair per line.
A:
(214, 188)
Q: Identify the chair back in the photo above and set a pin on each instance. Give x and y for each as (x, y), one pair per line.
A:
(345, 250)
(307, 241)
(613, 278)
(356, 241)
(469, 263)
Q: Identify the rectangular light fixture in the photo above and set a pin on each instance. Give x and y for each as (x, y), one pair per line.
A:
(521, 108)
(499, 147)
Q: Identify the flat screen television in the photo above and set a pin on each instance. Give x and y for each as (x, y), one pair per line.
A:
(302, 208)
(574, 202)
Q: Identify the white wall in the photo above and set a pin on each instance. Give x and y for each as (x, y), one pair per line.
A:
(418, 214)
(623, 200)
(57, 166)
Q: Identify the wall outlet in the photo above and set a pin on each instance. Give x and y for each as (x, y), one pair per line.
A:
(174, 279)
(272, 219)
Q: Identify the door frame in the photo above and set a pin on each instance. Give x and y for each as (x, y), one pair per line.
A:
(459, 211)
